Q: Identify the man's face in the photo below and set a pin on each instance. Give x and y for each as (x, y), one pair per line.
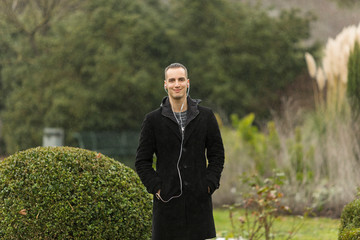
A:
(176, 83)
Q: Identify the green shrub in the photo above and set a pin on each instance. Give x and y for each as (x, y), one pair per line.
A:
(71, 193)
(350, 234)
(350, 221)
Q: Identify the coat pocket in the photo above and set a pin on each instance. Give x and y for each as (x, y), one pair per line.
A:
(203, 189)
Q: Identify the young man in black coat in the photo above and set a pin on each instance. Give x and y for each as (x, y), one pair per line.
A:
(186, 141)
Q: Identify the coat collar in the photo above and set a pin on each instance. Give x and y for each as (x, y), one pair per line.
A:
(192, 112)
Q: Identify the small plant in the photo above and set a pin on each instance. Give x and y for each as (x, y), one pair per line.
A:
(260, 207)
(301, 158)
(263, 148)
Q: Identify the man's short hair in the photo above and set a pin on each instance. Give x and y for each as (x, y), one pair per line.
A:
(176, 65)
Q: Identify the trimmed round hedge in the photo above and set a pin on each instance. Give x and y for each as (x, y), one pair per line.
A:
(71, 193)
(350, 221)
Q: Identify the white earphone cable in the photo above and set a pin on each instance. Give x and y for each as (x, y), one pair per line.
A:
(182, 127)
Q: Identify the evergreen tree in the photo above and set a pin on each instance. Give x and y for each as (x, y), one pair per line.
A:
(353, 85)
(93, 70)
(239, 56)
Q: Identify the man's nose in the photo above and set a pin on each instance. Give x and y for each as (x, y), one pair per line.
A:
(177, 83)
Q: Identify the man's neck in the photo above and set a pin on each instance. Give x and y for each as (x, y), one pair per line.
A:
(178, 105)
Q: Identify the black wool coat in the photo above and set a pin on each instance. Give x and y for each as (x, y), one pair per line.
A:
(188, 216)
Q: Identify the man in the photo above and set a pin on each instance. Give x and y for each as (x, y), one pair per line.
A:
(182, 135)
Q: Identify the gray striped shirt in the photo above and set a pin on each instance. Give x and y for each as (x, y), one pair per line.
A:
(181, 118)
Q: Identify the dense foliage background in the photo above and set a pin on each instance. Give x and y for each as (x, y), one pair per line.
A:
(98, 65)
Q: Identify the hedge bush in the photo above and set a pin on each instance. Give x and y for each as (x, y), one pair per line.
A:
(71, 193)
(350, 221)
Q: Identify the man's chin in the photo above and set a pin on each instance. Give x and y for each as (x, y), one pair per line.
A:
(178, 97)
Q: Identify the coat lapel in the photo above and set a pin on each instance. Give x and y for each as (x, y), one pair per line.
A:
(169, 118)
(189, 129)
(191, 124)
(173, 127)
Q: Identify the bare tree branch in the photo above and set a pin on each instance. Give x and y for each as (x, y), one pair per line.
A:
(10, 16)
(42, 13)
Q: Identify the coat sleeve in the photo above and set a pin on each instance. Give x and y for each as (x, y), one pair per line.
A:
(144, 158)
(215, 154)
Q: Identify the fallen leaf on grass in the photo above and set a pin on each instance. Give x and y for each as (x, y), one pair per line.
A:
(23, 212)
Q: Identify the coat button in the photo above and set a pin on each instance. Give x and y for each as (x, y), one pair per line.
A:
(185, 166)
(186, 183)
(184, 149)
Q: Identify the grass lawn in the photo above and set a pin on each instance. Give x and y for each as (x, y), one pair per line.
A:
(310, 228)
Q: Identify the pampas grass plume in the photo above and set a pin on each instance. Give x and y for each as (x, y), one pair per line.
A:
(311, 65)
(320, 78)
